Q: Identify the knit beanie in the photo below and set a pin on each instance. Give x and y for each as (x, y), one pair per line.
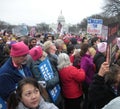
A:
(19, 49)
(36, 52)
(102, 46)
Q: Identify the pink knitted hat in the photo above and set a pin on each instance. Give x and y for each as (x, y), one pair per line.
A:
(36, 52)
(102, 46)
(19, 49)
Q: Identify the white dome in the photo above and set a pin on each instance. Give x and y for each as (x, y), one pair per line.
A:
(61, 18)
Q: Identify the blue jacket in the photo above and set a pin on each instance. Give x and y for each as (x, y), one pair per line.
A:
(9, 77)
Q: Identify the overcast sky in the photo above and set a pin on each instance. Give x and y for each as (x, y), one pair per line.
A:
(32, 12)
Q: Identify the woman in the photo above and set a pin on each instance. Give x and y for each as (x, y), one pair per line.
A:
(100, 56)
(28, 96)
(45, 71)
(71, 79)
(86, 63)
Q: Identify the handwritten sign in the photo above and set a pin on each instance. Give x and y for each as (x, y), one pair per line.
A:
(94, 26)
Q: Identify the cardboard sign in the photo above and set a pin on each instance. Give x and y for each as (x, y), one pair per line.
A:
(94, 26)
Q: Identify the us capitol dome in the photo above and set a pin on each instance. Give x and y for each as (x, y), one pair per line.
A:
(61, 20)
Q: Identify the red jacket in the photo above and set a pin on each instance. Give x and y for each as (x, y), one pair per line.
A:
(71, 79)
(71, 58)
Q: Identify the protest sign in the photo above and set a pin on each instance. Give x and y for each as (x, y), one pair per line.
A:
(20, 30)
(94, 26)
(47, 74)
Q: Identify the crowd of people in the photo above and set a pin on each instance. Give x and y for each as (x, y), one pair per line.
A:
(64, 72)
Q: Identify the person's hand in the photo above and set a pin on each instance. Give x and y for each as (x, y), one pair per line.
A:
(104, 69)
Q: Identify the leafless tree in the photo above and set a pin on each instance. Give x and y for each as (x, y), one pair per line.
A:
(111, 8)
(43, 27)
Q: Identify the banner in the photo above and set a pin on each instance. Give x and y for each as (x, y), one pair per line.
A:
(94, 26)
(59, 27)
(47, 74)
(112, 32)
(112, 41)
(32, 31)
(20, 30)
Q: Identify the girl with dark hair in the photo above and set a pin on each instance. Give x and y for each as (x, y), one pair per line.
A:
(28, 96)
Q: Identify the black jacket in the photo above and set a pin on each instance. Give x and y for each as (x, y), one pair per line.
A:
(98, 59)
(100, 93)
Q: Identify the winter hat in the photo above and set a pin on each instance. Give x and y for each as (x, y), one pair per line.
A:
(36, 52)
(102, 46)
(19, 49)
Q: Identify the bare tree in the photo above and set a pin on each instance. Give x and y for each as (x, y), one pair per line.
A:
(111, 8)
(43, 27)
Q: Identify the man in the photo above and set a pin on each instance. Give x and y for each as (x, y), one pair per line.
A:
(13, 69)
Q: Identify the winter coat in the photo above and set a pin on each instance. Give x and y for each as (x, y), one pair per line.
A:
(42, 105)
(9, 77)
(98, 59)
(71, 80)
(87, 64)
(113, 104)
(100, 93)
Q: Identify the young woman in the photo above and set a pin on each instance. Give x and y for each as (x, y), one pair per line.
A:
(86, 63)
(27, 96)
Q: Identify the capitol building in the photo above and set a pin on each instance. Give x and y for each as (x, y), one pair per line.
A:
(61, 20)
